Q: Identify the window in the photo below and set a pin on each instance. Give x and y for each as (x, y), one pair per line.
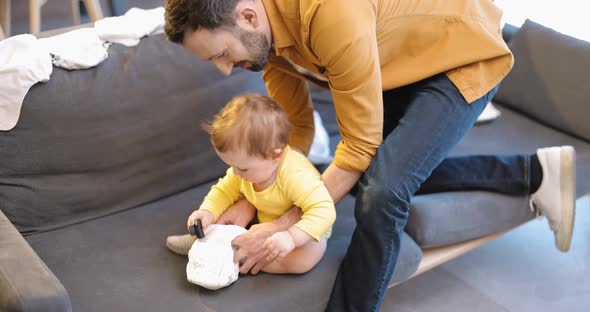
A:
(571, 17)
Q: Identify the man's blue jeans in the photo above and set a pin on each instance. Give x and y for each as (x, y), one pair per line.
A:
(422, 123)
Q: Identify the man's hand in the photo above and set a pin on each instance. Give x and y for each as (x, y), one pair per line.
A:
(248, 247)
(278, 245)
(248, 250)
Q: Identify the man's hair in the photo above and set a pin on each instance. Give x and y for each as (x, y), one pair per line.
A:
(182, 15)
(252, 123)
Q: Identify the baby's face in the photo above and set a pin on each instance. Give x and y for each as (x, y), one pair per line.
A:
(255, 169)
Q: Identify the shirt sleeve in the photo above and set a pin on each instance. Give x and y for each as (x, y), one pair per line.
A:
(343, 37)
(291, 92)
(307, 191)
(223, 194)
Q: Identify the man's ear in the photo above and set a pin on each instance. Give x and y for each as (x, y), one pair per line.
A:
(246, 15)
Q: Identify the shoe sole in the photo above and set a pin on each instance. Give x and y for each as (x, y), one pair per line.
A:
(568, 198)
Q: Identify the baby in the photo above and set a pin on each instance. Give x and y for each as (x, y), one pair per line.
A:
(250, 135)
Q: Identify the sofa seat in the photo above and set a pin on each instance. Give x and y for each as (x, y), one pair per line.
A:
(115, 263)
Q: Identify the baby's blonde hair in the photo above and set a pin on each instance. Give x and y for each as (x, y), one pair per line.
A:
(252, 123)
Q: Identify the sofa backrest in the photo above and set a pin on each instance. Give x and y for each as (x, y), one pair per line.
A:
(94, 142)
(549, 81)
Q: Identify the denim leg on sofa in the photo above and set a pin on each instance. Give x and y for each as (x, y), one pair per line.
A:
(505, 174)
(434, 119)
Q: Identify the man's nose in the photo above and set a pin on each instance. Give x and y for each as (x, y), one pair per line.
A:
(224, 68)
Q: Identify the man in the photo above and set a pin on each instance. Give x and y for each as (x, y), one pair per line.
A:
(408, 79)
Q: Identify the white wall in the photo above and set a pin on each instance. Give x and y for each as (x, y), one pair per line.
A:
(571, 17)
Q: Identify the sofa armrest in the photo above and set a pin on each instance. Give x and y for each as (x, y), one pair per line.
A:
(26, 283)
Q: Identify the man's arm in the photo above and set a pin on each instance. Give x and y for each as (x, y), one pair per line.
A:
(343, 37)
(289, 89)
(339, 181)
(288, 219)
(248, 246)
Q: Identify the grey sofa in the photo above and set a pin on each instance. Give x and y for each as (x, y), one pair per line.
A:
(105, 163)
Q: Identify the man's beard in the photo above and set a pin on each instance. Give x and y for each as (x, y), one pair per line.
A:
(257, 46)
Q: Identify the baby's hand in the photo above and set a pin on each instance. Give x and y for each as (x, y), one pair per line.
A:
(205, 216)
(278, 245)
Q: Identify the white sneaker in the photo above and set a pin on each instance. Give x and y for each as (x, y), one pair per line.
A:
(555, 198)
(180, 244)
(489, 113)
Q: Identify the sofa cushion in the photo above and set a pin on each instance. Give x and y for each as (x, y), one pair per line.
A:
(93, 142)
(445, 218)
(120, 263)
(549, 81)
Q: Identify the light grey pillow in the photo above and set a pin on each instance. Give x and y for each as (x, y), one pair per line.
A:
(550, 81)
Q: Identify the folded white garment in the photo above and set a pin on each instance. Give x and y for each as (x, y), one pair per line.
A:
(24, 61)
(319, 153)
(488, 114)
(211, 259)
(78, 49)
(129, 28)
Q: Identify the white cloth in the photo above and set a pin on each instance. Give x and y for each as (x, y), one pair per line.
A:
(211, 259)
(129, 28)
(319, 153)
(24, 61)
(489, 113)
(78, 49)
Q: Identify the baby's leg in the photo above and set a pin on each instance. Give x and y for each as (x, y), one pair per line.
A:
(241, 213)
(300, 260)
